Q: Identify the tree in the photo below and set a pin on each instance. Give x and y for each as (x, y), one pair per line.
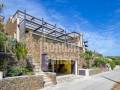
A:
(88, 57)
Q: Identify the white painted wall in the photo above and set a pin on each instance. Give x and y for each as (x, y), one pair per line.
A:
(18, 31)
(76, 67)
(1, 75)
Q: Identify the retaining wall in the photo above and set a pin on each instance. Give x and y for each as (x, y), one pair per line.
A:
(33, 82)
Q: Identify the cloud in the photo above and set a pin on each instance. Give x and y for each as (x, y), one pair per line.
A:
(35, 9)
(100, 43)
(103, 40)
(105, 43)
(31, 7)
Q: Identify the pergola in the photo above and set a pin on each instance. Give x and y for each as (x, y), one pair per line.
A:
(43, 28)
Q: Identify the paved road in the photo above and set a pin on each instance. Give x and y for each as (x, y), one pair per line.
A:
(104, 81)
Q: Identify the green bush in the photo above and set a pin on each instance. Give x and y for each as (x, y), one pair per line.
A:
(3, 39)
(117, 62)
(20, 51)
(18, 71)
(112, 64)
(3, 66)
(99, 61)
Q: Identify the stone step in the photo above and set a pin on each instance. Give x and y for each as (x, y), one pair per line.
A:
(37, 67)
(37, 70)
(48, 84)
(47, 80)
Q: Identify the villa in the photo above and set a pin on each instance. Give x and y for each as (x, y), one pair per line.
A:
(50, 48)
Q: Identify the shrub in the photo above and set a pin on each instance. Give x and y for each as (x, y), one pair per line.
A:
(99, 61)
(88, 57)
(2, 64)
(18, 71)
(117, 62)
(3, 39)
(20, 51)
(1, 26)
(112, 64)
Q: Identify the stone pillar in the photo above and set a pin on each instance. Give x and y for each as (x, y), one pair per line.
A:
(1, 75)
(76, 67)
(87, 72)
(18, 31)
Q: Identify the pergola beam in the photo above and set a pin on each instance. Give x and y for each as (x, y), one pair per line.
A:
(35, 24)
(61, 35)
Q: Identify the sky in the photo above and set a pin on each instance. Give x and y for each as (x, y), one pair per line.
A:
(98, 20)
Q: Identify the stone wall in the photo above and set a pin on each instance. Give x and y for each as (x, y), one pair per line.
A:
(52, 76)
(89, 72)
(55, 51)
(34, 82)
(95, 71)
(11, 27)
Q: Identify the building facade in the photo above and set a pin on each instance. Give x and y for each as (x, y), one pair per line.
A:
(50, 48)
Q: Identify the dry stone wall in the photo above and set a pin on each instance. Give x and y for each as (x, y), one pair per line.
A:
(52, 76)
(22, 83)
(55, 51)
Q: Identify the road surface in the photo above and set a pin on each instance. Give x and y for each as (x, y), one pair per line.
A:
(103, 81)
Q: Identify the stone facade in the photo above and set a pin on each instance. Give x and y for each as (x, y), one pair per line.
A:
(52, 76)
(11, 27)
(55, 51)
(39, 44)
(22, 83)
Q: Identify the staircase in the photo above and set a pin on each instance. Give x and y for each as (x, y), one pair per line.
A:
(37, 68)
(47, 79)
